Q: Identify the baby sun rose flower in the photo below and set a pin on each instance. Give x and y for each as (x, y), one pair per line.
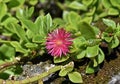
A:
(58, 42)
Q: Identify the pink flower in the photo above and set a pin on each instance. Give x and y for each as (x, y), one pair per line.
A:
(58, 42)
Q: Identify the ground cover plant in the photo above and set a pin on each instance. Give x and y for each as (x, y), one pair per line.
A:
(63, 31)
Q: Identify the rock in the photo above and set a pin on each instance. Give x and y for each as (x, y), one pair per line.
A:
(30, 70)
(115, 79)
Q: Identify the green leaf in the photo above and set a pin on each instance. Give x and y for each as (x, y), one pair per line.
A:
(60, 59)
(42, 1)
(96, 17)
(106, 3)
(44, 24)
(58, 21)
(73, 18)
(65, 16)
(4, 41)
(93, 42)
(20, 32)
(94, 2)
(9, 20)
(113, 11)
(115, 3)
(31, 45)
(33, 2)
(20, 13)
(5, 1)
(38, 39)
(108, 39)
(76, 5)
(109, 23)
(96, 30)
(95, 64)
(30, 11)
(18, 47)
(14, 70)
(29, 34)
(118, 34)
(92, 51)
(87, 20)
(75, 77)
(7, 52)
(87, 2)
(81, 54)
(79, 41)
(91, 12)
(65, 70)
(49, 20)
(10, 28)
(106, 36)
(39, 22)
(3, 10)
(29, 25)
(25, 13)
(4, 75)
(103, 14)
(100, 57)
(91, 69)
(115, 42)
(47, 23)
(15, 3)
(86, 31)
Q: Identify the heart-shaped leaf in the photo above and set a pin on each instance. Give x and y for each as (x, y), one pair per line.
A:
(81, 54)
(113, 11)
(86, 30)
(18, 47)
(3, 10)
(38, 39)
(60, 59)
(76, 5)
(75, 77)
(7, 52)
(106, 3)
(115, 42)
(115, 3)
(109, 23)
(100, 57)
(65, 70)
(92, 51)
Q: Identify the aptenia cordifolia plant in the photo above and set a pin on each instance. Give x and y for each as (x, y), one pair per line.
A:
(67, 40)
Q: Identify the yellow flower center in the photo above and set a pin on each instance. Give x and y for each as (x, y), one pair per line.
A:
(59, 42)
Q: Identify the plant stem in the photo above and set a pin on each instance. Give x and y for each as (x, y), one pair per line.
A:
(32, 79)
(60, 6)
(7, 64)
(38, 77)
